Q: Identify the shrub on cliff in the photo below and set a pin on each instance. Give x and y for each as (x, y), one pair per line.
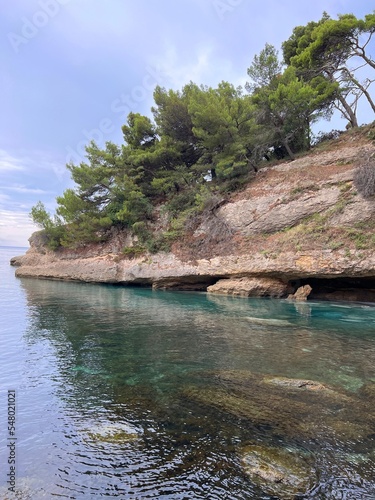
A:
(326, 136)
(53, 230)
(364, 179)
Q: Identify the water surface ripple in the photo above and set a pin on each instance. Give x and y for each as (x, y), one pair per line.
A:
(134, 393)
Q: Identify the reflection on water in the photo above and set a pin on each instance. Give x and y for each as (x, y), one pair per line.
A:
(134, 393)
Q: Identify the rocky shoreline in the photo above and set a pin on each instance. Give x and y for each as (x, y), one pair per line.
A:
(297, 227)
(246, 276)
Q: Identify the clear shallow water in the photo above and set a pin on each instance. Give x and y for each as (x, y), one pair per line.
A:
(90, 361)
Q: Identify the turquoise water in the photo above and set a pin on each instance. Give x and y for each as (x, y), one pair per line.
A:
(104, 378)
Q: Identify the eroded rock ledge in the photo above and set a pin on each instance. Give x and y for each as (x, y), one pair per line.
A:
(237, 275)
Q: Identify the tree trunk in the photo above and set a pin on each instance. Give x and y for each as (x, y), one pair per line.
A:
(360, 51)
(364, 91)
(350, 113)
(289, 151)
(308, 133)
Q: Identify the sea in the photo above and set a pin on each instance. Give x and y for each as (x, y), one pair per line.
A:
(126, 392)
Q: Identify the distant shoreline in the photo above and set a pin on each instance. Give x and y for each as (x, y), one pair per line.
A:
(14, 246)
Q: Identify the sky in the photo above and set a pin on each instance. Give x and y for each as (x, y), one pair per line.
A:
(72, 70)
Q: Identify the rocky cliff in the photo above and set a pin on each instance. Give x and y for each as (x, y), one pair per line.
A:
(296, 223)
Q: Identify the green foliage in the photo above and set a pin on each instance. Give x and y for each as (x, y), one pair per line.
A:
(140, 230)
(360, 240)
(84, 222)
(180, 202)
(287, 107)
(322, 137)
(330, 48)
(264, 69)
(52, 228)
(371, 134)
(136, 206)
(159, 243)
(224, 122)
(71, 206)
(174, 122)
(88, 229)
(203, 142)
(139, 132)
(133, 252)
(207, 199)
(40, 216)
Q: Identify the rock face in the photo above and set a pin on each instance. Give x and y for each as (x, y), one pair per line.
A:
(250, 287)
(302, 293)
(294, 223)
(166, 270)
(16, 261)
(277, 471)
(267, 214)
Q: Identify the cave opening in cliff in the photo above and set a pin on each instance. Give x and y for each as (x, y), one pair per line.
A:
(350, 289)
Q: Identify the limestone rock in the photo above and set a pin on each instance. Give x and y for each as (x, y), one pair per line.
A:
(164, 267)
(301, 384)
(250, 287)
(276, 471)
(359, 210)
(16, 261)
(289, 408)
(368, 391)
(112, 433)
(265, 214)
(348, 295)
(302, 293)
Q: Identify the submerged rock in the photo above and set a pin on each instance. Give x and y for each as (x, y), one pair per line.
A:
(113, 433)
(268, 321)
(278, 471)
(368, 391)
(295, 409)
(295, 383)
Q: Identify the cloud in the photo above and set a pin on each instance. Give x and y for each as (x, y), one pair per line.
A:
(26, 178)
(9, 217)
(15, 228)
(9, 162)
(196, 68)
(32, 172)
(34, 161)
(25, 190)
(4, 198)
